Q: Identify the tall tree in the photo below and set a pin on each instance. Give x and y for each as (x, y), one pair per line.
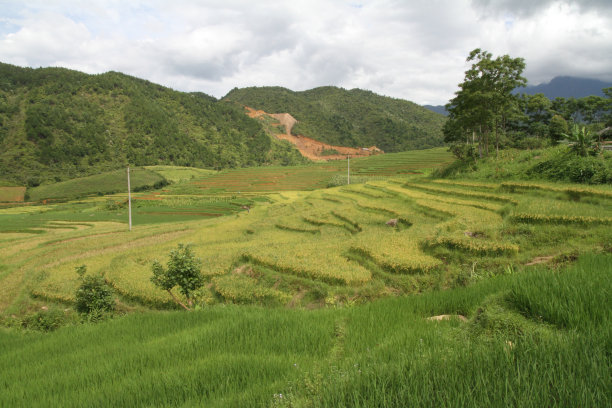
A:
(538, 109)
(608, 106)
(485, 98)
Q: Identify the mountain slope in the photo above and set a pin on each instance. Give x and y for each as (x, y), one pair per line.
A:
(57, 123)
(567, 87)
(349, 118)
(441, 109)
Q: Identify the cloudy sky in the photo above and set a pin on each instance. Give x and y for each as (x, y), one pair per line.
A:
(410, 49)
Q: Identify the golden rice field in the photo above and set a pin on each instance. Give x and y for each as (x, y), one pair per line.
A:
(327, 246)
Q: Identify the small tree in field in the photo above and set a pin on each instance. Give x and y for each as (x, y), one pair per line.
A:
(94, 297)
(183, 270)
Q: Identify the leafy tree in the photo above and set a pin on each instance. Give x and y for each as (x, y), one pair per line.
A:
(183, 270)
(94, 296)
(485, 98)
(557, 129)
(592, 108)
(537, 108)
(608, 106)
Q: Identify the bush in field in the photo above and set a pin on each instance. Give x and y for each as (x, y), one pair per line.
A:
(45, 320)
(183, 270)
(94, 297)
(566, 166)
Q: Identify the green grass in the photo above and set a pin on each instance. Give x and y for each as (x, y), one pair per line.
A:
(105, 183)
(176, 174)
(555, 164)
(523, 345)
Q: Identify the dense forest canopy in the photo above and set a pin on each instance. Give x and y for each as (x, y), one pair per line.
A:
(355, 118)
(57, 123)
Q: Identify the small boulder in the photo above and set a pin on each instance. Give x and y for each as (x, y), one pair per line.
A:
(392, 222)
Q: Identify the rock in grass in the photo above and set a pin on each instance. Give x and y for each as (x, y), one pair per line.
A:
(392, 222)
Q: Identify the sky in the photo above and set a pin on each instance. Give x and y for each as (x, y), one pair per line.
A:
(410, 49)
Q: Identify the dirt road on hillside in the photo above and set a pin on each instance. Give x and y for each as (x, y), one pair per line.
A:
(311, 148)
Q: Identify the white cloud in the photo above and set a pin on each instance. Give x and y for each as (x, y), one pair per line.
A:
(411, 50)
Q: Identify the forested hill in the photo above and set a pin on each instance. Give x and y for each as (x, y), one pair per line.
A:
(349, 118)
(57, 123)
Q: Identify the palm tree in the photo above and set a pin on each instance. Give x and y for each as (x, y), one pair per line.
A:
(580, 140)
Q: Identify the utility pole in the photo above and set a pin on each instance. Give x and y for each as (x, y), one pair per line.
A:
(348, 170)
(129, 199)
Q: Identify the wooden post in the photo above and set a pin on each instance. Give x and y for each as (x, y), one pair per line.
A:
(129, 199)
(348, 171)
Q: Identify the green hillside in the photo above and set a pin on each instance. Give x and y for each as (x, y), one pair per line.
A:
(57, 124)
(355, 118)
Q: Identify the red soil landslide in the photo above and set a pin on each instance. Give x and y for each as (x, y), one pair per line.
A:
(310, 148)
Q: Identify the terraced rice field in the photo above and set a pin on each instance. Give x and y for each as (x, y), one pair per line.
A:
(394, 164)
(12, 194)
(264, 179)
(314, 176)
(329, 246)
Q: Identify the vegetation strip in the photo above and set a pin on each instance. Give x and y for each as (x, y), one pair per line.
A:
(559, 219)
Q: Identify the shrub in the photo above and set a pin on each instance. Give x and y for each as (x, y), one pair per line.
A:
(183, 270)
(45, 320)
(329, 152)
(94, 296)
(578, 169)
(466, 152)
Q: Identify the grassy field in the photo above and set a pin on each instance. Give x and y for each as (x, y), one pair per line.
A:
(177, 174)
(531, 339)
(322, 271)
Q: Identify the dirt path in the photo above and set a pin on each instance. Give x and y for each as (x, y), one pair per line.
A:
(539, 260)
(311, 148)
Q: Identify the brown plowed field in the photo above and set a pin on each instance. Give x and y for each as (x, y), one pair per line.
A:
(310, 148)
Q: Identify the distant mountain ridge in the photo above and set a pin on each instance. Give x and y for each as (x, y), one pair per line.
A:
(567, 87)
(350, 118)
(558, 87)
